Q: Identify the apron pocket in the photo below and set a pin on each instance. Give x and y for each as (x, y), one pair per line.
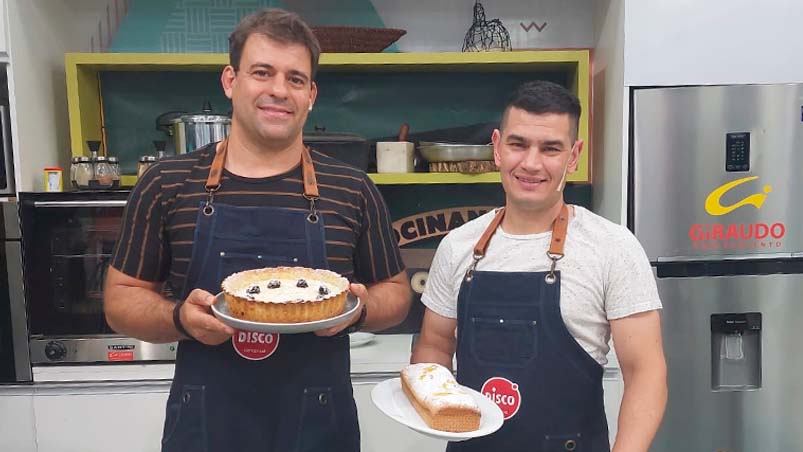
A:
(318, 429)
(507, 342)
(230, 262)
(185, 422)
(563, 443)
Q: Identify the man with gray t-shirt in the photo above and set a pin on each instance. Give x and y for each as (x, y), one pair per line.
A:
(528, 296)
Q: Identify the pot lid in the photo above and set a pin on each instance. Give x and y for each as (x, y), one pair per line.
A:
(206, 115)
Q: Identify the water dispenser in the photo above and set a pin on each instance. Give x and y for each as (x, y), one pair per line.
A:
(736, 351)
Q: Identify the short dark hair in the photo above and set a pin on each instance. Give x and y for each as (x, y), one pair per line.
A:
(277, 24)
(541, 97)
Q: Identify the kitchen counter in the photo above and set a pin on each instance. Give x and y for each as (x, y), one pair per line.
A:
(68, 404)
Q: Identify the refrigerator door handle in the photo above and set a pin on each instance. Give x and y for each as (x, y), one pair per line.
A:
(19, 318)
(95, 203)
(726, 257)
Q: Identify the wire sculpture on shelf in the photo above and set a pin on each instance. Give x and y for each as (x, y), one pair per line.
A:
(484, 35)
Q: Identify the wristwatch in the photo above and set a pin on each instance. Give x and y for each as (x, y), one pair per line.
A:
(177, 320)
(357, 326)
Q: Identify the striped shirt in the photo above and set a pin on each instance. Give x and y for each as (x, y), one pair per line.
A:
(156, 236)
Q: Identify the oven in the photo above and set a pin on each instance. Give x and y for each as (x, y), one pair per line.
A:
(67, 244)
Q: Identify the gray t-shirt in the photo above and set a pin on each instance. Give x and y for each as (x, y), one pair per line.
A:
(605, 274)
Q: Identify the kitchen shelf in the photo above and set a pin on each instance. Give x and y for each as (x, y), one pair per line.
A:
(433, 178)
(406, 178)
(84, 91)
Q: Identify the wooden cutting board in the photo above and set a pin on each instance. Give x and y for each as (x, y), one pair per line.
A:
(467, 167)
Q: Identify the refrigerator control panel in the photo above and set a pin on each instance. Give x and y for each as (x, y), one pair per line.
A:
(737, 151)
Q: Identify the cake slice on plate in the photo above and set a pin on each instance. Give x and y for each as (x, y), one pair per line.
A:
(437, 397)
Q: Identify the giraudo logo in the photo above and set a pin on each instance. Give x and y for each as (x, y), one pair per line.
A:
(713, 203)
(736, 235)
(254, 345)
(504, 393)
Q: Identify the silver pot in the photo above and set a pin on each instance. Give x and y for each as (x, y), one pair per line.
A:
(192, 131)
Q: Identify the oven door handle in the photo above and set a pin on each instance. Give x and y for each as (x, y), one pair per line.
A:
(101, 203)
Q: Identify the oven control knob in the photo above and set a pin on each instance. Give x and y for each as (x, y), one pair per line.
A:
(55, 351)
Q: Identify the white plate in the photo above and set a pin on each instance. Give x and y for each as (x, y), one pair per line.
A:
(221, 311)
(390, 398)
(360, 338)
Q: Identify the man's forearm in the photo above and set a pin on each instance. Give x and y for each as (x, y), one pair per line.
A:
(388, 305)
(141, 313)
(642, 409)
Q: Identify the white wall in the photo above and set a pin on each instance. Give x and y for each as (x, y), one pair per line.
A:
(441, 25)
(40, 32)
(608, 106)
(689, 42)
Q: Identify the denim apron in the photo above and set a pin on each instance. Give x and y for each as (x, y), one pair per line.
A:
(513, 347)
(259, 392)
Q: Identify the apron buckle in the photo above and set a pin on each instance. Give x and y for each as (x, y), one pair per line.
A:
(209, 208)
(313, 213)
(473, 266)
(550, 278)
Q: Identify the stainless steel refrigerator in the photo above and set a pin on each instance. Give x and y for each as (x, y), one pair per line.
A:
(716, 199)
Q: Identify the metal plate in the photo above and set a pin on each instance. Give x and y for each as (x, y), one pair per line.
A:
(221, 311)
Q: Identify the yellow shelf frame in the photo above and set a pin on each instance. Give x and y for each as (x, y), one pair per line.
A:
(405, 178)
(84, 92)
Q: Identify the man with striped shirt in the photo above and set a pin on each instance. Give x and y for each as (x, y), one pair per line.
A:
(257, 199)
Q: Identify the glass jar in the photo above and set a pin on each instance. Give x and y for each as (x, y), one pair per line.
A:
(82, 172)
(104, 174)
(115, 164)
(144, 162)
(73, 166)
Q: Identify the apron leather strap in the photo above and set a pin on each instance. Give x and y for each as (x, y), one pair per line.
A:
(307, 171)
(559, 228)
(559, 232)
(482, 244)
(216, 171)
(555, 253)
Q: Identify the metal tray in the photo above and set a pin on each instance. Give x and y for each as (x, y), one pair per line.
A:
(455, 152)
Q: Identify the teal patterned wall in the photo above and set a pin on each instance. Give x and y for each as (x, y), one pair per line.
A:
(203, 26)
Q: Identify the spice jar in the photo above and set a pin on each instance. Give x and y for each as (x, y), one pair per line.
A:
(144, 162)
(52, 179)
(115, 164)
(104, 175)
(82, 171)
